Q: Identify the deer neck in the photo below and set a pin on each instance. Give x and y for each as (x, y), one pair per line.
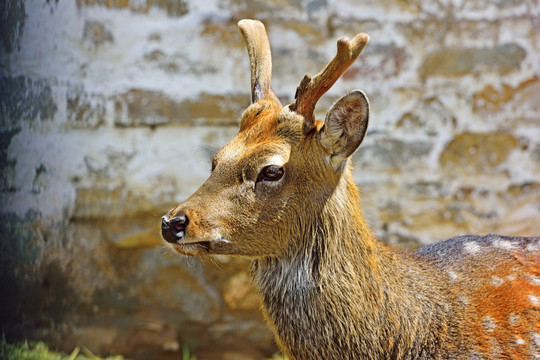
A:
(330, 237)
(342, 272)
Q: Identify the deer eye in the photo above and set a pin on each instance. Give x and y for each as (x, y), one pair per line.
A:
(270, 173)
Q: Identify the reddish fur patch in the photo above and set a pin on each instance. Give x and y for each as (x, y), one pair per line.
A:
(261, 115)
(318, 125)
(503, 316)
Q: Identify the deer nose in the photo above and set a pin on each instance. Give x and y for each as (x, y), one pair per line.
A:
(174, 229)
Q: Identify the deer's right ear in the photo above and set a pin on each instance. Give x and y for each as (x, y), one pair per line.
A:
(345, 126)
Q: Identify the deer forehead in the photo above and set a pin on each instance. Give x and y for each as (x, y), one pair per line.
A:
(266, 137)
(244, 153)
(265, 120)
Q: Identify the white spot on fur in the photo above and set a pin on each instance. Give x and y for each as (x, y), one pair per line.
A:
(495, 348)
(533, 245)
(520, 341)
(504, 244)
(496, 281)
(488, 323)
(463, 299)
(534, 300)
(536, 338)
(511, 277)
(471, 247)
(535, 280)
(452, 275)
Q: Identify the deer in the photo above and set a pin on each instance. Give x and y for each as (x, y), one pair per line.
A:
(282, 194)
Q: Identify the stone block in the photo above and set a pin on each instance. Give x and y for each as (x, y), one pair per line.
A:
(535, 154)
(451, 62)
(477, 152)
(179, 63)
(95, 34)
(425, 31)
(482, 5)
(240, 293)
(84, 110)
(428, 116)
(520, 193)
(490, 99)
(114, 201)
(260, 7)
(174, 8)
(142, 232)
(224, 33)
(384, 61)
(113, 4)
(97, 202)
(525, 102)
(521, 101)
(256, 335)
(339, 26)
(391, 154)
(177, 290)
(140, 107)
(309, 32)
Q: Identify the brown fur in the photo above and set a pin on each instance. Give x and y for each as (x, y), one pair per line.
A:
(330, 289)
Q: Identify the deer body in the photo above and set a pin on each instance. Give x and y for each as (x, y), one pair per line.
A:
(282, 193)
(386, 304)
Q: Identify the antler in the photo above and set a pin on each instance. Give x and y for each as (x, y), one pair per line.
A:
(311, 89)
(260, 58)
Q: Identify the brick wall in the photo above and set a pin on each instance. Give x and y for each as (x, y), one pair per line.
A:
(111, 109)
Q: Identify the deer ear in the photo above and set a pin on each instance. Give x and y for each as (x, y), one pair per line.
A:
(345, 126)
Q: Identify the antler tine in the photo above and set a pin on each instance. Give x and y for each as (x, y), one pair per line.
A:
(311, 89)
(260, 58)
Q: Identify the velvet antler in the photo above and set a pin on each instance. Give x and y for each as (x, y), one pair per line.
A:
(260, 58)
(311, 89)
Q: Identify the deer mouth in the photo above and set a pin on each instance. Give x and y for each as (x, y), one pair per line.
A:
(200, 247)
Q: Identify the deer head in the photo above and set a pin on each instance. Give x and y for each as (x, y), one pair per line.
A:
(271, 183)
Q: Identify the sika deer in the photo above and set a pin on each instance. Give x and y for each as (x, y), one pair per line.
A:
(282, 194)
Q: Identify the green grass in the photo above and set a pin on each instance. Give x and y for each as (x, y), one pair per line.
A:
(39, 351)
(30, 350)
(278, 357)
(186, 355)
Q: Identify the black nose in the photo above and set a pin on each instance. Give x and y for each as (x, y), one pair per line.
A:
(174, 229)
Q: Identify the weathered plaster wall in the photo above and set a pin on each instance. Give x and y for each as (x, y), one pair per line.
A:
(111, 109)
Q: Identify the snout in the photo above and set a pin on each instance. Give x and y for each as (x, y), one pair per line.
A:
(173, 229)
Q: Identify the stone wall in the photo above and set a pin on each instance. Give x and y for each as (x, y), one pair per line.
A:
(111, 109)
